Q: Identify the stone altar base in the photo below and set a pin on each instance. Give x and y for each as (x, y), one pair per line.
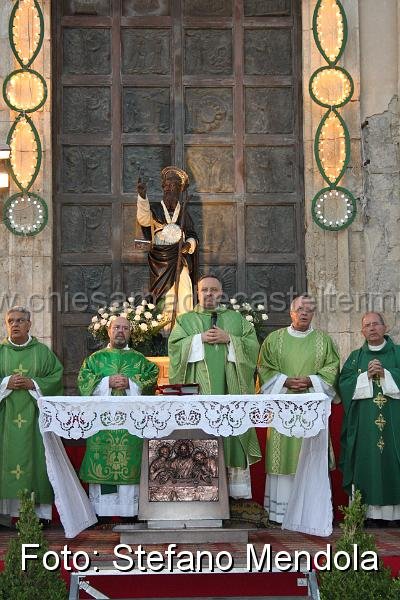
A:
(140, 533)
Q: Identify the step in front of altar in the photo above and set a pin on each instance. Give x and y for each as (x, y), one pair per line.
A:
(140, 533)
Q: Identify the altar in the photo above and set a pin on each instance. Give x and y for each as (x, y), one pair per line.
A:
(153, 417)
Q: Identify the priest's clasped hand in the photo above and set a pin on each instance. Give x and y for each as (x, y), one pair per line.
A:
(215, 335)
(118, 382)
(18, 382)
(375, 369)
(298, 384)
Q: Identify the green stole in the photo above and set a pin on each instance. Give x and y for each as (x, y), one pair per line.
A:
(114, 457)
(215, 374)
(22, 457)
(370, 441)
(313, 354)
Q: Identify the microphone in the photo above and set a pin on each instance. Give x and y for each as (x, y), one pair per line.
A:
(214, 317)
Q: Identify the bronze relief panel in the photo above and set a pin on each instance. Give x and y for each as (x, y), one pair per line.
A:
(270, 169)
(146, 110)
(149, 162)
(211, 168)
(88, 231)
(277, 279)
(86, 51)
(207, 8)
(87, 7)
(268, 52)
(146, 51)
(208, 110)
(89, 286)
(135, 280)
(86, 169)
(86, 110)
(145, 8)
(208, 52)
(269, 110)
(270, 229)
(216, 227)
(266, 8)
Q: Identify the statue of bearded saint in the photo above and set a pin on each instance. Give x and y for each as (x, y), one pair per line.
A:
(173, 257)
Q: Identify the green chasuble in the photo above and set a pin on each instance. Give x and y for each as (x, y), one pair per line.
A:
(282, 353)
(370, 441)
(215, 374)
(114, 457)
(22, 458)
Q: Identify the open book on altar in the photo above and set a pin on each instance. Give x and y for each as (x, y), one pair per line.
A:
(178, 389)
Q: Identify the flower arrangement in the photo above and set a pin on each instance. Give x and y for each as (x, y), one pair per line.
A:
(145, 319)
(254, 314)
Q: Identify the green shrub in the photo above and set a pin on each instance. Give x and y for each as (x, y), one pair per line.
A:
(351, 584)
(36, 583)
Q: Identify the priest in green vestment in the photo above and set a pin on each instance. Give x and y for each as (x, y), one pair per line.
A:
(28, 370)
(217, 348)
(112, 460)
(369, 385)
(294, 359)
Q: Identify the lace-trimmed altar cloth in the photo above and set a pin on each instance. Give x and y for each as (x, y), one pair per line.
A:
(298, 415)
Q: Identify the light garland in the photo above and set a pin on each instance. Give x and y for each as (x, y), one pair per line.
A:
(25, 214)
(331, 87)
(25, 91)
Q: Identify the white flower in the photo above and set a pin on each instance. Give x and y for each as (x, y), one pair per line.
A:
(139, 310)
(125, 304)
(111, 319)
(233, 300)
(137, 318)
(123, 314)
(113, 309)
(260, 306)
(246, 305)
(264, 317)
(105, 315)
(144, 302)
(223, 305)
(131, 300)
(148, 315)
(101, 310)
(154, 323)
(236, 307)
(103, 322)
(96, 326)
(249, 318)
(143, 326)
(129, 310)
(159, 317)
(94, 319)
(150, 306)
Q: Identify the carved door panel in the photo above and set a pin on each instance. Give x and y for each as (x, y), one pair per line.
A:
(213, 86)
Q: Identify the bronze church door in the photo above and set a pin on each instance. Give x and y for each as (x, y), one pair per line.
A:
(213, 86)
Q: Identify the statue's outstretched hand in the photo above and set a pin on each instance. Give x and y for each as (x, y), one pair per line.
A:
(141, 188)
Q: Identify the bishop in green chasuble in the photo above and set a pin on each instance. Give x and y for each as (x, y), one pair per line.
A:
(222, 360)
(296, 359)
(369, 385)
(112, 459)
(28, 369)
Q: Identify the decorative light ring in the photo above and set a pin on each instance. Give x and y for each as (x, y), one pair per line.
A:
(26, 24)
(31, 88)
(320, 208)
(25, 214)
(330, 29)
(332, 87)
(325, 84)
(24, 164)
(332, 147)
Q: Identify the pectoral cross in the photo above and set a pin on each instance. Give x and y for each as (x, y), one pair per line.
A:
(20, 371)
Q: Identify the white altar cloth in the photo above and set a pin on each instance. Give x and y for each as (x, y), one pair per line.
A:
(298, 415)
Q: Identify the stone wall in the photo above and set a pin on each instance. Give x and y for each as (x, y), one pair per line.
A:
(26, 263)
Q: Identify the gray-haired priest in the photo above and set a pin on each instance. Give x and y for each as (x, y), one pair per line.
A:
(28, 369)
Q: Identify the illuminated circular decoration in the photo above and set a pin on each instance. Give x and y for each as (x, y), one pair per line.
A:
(334, 209)
(26, 30)
(26, 152)
(330, 29)
(25, 214)
(24, 90)
(332, 147)
(331, 87)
